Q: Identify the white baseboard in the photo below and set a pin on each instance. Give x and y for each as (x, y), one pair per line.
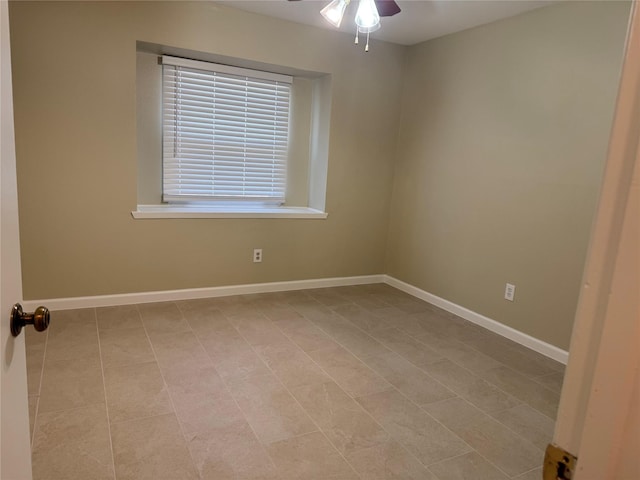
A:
(517, 336)
(194, 293)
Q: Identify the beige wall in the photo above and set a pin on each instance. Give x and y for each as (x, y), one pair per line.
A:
(75, 100)
(502, 141)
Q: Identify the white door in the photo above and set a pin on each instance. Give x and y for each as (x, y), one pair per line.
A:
(15, 450)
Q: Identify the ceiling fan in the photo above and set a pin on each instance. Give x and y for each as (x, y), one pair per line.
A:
(387, 8)
(367, 16)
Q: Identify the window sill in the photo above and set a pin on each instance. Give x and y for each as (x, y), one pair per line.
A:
(212, 211)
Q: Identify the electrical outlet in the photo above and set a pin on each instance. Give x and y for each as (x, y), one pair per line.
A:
(509, 292)
(257, 255)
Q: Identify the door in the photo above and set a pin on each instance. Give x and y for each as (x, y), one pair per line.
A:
(15, 450)
(599, 413)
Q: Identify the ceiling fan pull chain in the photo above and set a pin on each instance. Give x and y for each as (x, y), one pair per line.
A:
(356, 42)
(366, 47)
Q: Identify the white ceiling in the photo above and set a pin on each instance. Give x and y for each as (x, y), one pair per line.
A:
(418, 21)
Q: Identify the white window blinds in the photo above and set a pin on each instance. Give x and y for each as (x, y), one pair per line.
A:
(225, 132)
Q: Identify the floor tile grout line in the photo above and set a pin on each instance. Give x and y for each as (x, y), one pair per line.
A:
(104, 389)
(295, 400)
(474, 374)
(501, 364)
(528, 471)
(491, 415)
(414, 403)
(451, 458)
(226, 387)
(330, 376)
(454, 433)
(412, 337)
(487, 414)
(465, 322)
(392, 387)
(428, 347)
(304, 352)
(125, 365)
(166, 385)
(33, 430)
(63, 410)
(144, 417)
(411, 401)
(511, 370)
(44, 354)
(462, 455)
(397, 353)
(278, 378)
(419, 406)
(37, 411)
(546, 375)
(537, 380)
(363, 410)
(513, 347)
(449, 359)
(456, 341)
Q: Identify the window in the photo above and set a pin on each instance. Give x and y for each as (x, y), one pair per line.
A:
(225, 133)
(185, 168)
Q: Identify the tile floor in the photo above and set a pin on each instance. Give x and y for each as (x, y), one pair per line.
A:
(360, 382)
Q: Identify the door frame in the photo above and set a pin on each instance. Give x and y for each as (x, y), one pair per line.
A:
(602, 371)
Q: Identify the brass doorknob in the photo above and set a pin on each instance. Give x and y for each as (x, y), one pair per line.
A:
(39, 319)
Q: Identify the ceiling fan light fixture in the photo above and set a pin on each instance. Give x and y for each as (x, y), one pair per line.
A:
(369, 29)
(367, 17)
(334, 12)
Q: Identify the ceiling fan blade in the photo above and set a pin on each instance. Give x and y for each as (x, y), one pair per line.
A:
(387, 8)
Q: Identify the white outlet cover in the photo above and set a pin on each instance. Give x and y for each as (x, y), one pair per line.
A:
(509, 292)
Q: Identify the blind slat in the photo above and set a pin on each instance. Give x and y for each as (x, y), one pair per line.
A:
(225, 135)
